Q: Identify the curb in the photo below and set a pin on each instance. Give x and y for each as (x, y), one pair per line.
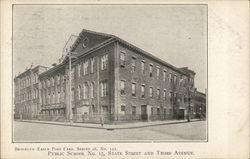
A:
(109, 128)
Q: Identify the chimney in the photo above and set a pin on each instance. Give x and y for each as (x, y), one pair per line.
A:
(54, 64)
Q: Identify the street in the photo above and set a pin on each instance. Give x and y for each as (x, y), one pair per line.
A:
(35, 132)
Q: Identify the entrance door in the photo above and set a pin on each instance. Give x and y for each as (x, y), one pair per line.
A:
(181, 114)
(144, 115)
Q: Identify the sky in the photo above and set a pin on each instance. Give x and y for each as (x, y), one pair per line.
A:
(175, 33)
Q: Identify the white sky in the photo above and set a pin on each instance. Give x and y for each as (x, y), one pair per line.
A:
(175, 33)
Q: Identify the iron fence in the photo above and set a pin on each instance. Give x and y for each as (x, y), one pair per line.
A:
(106, 118)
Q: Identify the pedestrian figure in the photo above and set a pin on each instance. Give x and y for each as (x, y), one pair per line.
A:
(102, 120)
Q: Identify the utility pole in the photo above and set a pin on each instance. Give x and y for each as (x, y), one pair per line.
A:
(70, 55)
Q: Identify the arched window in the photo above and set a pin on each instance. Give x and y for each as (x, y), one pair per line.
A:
(79, 92)
(85, 90)
(92, 90)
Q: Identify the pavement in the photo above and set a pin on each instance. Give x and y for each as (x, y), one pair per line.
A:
(129, 125)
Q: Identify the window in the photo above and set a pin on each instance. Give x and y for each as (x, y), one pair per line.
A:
(48, 83)
(175, 97)
(191, 83)
(179, 98)
(150, 92)
(133, 110)
(175, 79)
(151, 70)
(164, 95)
(104, 62)
(85, 90)
(52, 81)
(122, 59)
(34, 95)
(93, 109)
(48, 99)
(158, 72)
(158, 93)
(79, 92)
(142, 67)
(58, 97)
(185, 99)
(79, 70)
(133, 64)
(53, 98)
(133, 89)
(44, 98)
(104, 90)
(170, 78)
(63, 95)
(92, 60)
(92, 90)
(158, 111)
(164, 75)
(122, 87)
(171, 96)
(122, 109)
(85, 67)
(104, 109)
(142, 91)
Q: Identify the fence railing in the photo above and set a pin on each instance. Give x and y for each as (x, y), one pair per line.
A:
(107, 118)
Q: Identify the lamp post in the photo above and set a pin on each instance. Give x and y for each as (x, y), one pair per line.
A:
(70, 55)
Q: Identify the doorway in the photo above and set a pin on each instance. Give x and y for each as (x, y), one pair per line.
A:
(144, 115)
(181, 114)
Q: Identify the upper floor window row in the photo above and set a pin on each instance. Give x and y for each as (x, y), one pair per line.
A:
(172, 78)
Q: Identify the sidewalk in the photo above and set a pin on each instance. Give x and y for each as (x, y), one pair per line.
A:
(109, 126)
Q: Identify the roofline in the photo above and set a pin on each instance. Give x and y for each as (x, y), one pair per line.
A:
(149, 55)
(30, 70)
(201, 93)
(51, 69)
(110, 40)
(99, 46)
(74, 45)
(132, 46)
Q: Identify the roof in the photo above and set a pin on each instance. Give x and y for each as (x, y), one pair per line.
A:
(129, 45)
(21, 74)
(113, 38)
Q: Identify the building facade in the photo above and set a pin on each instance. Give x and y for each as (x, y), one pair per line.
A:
(26, 92)
(200, 105)
(110, 78)
(114, 78)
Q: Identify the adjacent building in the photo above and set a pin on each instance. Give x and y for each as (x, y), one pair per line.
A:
(26, 92)
(200, 105)
(113, 78)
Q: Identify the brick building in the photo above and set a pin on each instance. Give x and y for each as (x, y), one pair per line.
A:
(113, 77)
(200, 104)
(26, 91)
